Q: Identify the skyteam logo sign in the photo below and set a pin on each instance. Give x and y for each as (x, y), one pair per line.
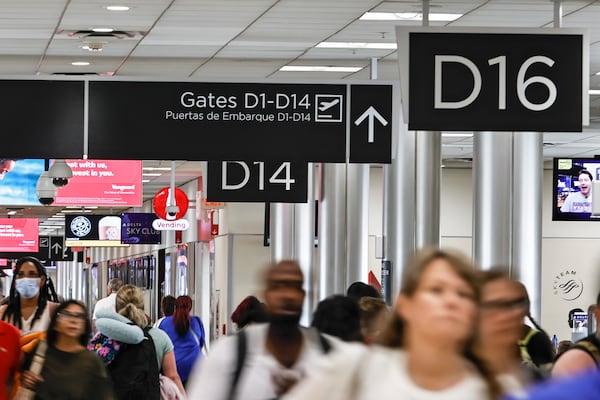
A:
(567, 285)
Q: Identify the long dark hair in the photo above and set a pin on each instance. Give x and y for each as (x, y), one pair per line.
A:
(181, 316)
(52, 335)
(47, 293)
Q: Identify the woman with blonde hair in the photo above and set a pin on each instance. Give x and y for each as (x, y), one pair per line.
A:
(128, 325)
(424, 353)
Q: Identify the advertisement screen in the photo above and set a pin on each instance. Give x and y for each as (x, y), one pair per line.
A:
(136, 228)
(94, 183)
(102, 183)
(19, 235)
(93, 230)
(17, 184)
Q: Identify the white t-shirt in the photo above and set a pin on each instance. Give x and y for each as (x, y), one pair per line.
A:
(211, 378)
(107, 303)
(359, 372)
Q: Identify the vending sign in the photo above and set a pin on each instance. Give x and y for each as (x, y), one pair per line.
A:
(136, 228)
(102, 183)
(19, 235)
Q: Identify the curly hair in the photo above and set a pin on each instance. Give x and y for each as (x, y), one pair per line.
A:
(12, 314)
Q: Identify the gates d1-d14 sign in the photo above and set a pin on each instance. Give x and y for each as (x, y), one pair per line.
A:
(483, 80)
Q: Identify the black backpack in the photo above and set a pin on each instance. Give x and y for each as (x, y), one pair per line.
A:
(134, 371)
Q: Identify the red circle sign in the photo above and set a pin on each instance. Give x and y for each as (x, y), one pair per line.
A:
(161, 201)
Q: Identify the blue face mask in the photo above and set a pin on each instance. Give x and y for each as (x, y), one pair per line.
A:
(28, 287)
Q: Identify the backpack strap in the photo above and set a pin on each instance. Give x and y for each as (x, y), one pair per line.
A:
(241, 356)
(325, 345)
(523, 346)
(591, 345)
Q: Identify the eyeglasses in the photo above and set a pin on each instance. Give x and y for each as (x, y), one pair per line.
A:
(66, 315)
(28, 275)
(499, 305)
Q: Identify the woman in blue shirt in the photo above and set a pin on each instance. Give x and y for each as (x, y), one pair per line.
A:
(187, 334)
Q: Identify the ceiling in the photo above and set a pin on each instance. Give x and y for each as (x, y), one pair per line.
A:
(250, 40)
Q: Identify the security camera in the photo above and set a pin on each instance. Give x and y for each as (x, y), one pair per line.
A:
(60, 172)
(60, 182)
(172, 211)
(45, 189)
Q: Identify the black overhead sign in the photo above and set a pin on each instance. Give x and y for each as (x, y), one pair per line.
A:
(494, 81)
(42, 118)
(370, 124)
(234, 121)
(257, 181)
(51, 248)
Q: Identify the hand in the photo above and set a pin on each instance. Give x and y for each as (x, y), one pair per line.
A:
(29, 380)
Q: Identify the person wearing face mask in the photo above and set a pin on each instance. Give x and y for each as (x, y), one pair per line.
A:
(32, 297)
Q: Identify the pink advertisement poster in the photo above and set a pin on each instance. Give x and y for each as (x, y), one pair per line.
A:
(102, 183)
(19, 234)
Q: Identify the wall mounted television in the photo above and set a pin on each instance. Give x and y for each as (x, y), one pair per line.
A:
(572, 188)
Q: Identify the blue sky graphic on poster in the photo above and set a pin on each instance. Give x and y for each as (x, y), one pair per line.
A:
(18, 186)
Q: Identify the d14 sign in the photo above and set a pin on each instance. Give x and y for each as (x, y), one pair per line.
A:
(257, 181)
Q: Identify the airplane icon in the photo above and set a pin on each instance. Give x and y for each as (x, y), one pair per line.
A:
(326, 105)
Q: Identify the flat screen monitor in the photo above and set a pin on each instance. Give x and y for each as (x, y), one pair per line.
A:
(572, 188)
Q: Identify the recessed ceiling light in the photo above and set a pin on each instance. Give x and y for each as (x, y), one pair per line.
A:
(156, 168)
(409, 16)
(102, 30)
(11, 212)
(357, 45)
(80, 63)
(594, 91)
(151, 174)
(457, 134)
(317, 68)
(117, 8)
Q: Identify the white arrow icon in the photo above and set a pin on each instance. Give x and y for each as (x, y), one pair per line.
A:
(372, 114)
(57, 248)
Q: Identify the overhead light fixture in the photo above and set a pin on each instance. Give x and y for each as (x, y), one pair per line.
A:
(151, 174)
(156, 168)
(11, 212)
(457, 134)
(408, 16)
(357, 45)
(594, 92)
(117, 8)
(317, 68)
(102, 30)
(80, 63)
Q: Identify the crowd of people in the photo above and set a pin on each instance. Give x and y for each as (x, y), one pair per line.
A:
(453, 332)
